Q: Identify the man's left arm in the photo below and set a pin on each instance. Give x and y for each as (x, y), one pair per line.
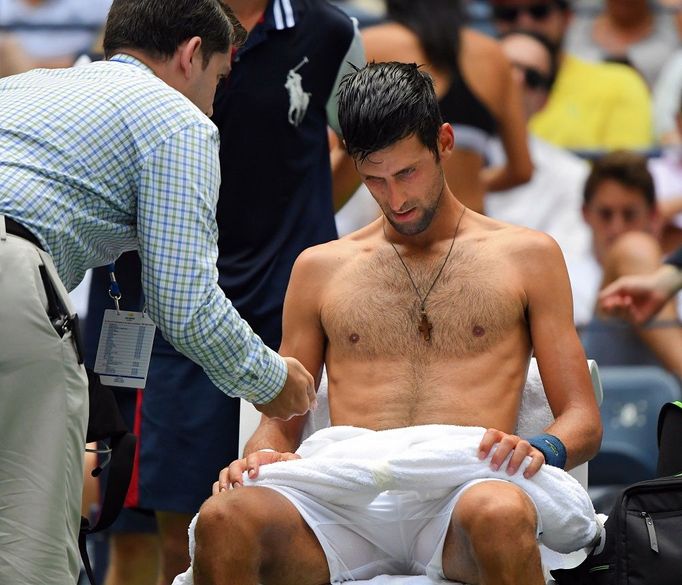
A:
(560, 356)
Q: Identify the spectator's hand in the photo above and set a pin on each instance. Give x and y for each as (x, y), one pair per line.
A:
(639, 297)
(296, 398)
(520, 449)
(233, 475)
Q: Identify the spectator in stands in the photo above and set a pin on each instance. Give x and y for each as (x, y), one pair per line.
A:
(633, 32)
(47, 33)
(551, 200)
(592, 106)
(620, 208)
(476, 92)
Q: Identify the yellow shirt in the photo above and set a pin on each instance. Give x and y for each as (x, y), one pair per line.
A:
(596, 106)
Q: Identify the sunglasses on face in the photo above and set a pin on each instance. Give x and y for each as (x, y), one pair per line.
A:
(512, 13)
(533, 78)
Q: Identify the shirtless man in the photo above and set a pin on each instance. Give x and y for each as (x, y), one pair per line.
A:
(428, 315)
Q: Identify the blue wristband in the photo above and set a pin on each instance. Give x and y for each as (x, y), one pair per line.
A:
(551, 447)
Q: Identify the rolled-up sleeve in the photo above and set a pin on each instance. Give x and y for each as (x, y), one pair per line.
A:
(178, 237)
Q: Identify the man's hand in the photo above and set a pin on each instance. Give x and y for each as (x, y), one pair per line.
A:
(506, 444)
(233, 474)
(296, 398)
(638, 298)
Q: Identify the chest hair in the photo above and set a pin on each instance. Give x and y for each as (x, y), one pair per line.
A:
(374, 311)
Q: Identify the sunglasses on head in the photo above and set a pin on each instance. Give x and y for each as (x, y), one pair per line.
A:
(533, 78)
(512, 13)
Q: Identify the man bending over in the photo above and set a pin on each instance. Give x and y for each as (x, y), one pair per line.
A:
(428, 316)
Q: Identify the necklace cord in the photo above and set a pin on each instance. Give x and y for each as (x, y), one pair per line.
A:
(445, 261)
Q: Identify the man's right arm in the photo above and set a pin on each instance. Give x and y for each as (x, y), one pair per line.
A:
(177, 234)
(302, 337)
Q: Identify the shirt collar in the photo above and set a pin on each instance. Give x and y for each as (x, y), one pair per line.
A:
(281, 14)
(130, 60)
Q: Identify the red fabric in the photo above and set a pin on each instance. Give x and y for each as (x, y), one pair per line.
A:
(133, 496)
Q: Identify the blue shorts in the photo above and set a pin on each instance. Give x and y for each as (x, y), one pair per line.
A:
(188, 431)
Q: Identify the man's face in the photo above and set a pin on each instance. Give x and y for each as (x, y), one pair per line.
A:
(532, 65)
(407, 182)
(541, 16)
(614, 210)
(204, 81)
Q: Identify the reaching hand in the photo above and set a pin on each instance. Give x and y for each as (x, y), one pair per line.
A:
(297, 396)
(639, 297)
(232, 476)
(520, 449)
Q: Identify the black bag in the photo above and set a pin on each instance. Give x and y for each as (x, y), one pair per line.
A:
(644, 529)
(105, 422)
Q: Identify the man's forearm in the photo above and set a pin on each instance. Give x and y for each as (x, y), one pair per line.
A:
(582, 441)
(277, 435)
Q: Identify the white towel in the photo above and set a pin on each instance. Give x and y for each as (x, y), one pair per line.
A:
(350, 464)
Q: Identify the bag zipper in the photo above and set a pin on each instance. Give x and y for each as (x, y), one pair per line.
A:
(651, 529)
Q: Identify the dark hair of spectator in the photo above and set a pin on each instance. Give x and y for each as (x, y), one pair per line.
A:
(549, 46)
(627, 168)
(159, 27)
(383, 103)
(436, 23)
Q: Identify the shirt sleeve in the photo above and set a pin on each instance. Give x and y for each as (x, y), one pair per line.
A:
(354, 57)
(178, 239)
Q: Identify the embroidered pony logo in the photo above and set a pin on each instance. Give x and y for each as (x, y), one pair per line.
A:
(298, 99)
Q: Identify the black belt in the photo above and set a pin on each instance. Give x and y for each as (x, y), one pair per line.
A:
(16, 229)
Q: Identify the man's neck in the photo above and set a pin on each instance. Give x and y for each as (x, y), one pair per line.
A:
(442, 227)
(248, 12)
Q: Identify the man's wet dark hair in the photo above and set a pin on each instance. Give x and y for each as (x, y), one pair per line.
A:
(626, 168)
(159, 27)
(383, 103)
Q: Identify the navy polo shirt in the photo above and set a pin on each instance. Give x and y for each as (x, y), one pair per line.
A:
(275, 196)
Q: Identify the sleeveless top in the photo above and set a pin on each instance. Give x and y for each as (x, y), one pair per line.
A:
(473, 122)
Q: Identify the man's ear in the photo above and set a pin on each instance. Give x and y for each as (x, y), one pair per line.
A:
(446, 139)
(189, 54)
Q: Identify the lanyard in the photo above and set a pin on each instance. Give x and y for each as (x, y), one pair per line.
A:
(114, 289)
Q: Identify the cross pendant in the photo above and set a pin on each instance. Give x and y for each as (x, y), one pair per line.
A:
(425, 327)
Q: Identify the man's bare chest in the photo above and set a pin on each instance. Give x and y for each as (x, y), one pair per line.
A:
(374, 308)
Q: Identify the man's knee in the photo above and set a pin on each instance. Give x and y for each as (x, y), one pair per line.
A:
(226, 515)
(497, 510)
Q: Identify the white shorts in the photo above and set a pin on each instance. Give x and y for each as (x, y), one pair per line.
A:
(396, 534)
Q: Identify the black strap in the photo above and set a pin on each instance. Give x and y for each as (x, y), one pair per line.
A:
(669, 437)
(120, 472)
(16, 229)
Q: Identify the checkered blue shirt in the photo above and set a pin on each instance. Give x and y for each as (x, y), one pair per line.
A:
(105, 158)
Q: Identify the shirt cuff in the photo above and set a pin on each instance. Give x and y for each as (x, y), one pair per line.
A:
(265, 387)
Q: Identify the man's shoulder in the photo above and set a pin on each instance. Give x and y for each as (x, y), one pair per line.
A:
(335, 253)
(514, 241)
